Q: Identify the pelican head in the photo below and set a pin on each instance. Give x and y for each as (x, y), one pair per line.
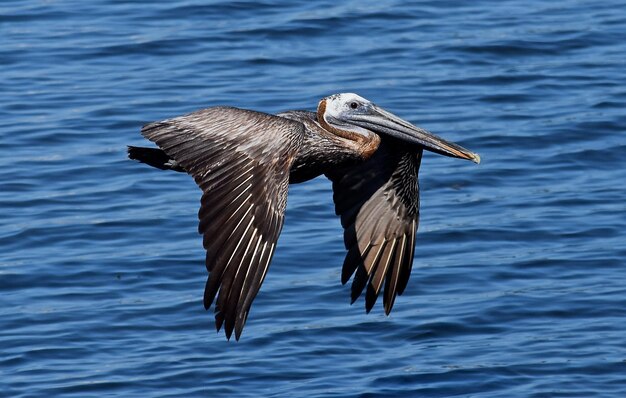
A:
(357, 115)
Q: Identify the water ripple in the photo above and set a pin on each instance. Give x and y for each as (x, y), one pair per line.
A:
(518, 282)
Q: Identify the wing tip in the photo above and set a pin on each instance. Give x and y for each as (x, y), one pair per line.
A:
(389, 306)
(370, 298)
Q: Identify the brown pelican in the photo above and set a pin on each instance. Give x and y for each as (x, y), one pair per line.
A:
(244, 161)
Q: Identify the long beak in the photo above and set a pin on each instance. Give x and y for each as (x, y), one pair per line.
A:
(380, 121)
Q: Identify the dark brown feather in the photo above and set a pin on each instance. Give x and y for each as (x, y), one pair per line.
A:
(241, 160)
(378, 201)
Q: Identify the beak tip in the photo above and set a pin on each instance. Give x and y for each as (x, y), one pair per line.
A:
(476, 158)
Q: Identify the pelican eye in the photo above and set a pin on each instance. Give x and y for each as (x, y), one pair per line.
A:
(354, 105)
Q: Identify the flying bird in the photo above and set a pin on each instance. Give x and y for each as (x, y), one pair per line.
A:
(244, 160)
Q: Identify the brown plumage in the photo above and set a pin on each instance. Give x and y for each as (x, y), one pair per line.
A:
(244, 160)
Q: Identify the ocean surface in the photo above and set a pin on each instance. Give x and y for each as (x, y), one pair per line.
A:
(519, 281)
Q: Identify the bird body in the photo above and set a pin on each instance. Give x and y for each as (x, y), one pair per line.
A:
(244, 161)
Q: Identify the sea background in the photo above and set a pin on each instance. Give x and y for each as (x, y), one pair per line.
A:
(519, 282)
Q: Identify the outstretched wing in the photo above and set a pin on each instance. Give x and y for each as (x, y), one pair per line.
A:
(378, 202)
(241, 160)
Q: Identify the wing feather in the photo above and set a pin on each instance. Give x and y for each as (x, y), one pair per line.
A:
(378, 201)
(241, 160)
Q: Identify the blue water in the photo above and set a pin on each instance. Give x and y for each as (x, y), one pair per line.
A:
(519, 282)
